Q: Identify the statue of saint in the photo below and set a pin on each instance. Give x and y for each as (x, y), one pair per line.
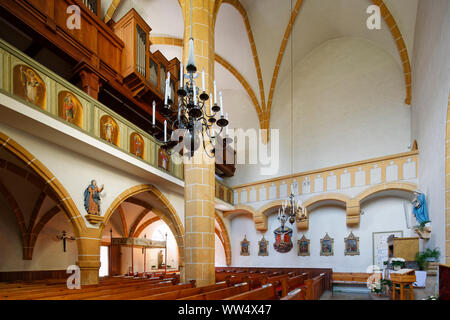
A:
(92, 198)
(160, 259)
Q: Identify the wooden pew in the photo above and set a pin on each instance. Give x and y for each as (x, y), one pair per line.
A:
(267, 292)
(174, 295)
(292, 283)
(100, 291)
(297, 294)
(61, 291)
(315, 287)
(349, 279)
(144, 292)
(221, 293)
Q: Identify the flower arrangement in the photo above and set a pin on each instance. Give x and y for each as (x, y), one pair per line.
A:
(380, 287)
(398, 263)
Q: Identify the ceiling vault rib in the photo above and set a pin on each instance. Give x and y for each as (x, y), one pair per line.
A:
(280, 59)
(111, 10)
(124, 222)
(179, 43)
(401, 46)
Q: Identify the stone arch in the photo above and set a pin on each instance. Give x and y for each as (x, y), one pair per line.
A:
(367, 194)
(170, 217)
(226, 238)
(324, 199)
(260, 108)
(48, 183)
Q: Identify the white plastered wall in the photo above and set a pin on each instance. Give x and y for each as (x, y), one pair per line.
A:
(431, 86)
(380, 215)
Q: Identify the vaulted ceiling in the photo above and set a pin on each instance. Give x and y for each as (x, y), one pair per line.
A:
(253, 42)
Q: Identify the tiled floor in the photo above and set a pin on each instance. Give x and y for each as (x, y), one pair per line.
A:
(345, 296)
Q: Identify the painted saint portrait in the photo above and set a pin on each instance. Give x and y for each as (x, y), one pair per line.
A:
(29, 86)
(137, 145)
(109, 130)
(163, 159)
(326, 246)
(70, 108)
(92, 198)
(263, 246)
(351, 245)
(283, 239)
(245, 247)
(303, 246)
(153, 73)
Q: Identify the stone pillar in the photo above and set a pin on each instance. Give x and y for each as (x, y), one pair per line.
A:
(89, 257)
(200, 171)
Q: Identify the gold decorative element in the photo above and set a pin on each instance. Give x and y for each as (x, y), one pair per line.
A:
(327, 246)
(245, 247)
(109, 130)
(137, 145)
(28, 85)
(70, 108)
(263, 246)
(351, 245)
(303, 247)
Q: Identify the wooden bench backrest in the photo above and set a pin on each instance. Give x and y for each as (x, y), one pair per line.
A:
(185, 293)
(142, 293)
(265, 293)
(297, 294)
(221, 294)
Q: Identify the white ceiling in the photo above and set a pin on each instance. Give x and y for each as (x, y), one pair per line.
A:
(318, 21)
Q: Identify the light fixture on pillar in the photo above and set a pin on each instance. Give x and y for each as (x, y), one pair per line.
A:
(192, 117)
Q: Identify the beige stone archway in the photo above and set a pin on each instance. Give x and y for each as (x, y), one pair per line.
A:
(226, 238)
(48, 183)
(322, 199)
(407, 187)
(166, 212)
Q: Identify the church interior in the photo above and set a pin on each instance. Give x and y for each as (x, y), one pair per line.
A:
(224, 150)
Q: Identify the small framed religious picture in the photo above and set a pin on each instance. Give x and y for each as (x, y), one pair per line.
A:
(351, 245)
(303, 246)
(263, 246)
(245, 247)
(326, 246)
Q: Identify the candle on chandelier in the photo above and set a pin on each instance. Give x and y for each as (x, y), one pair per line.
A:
(168, 85)
(181, 75)
(215, 92)
(211, 108)
(166, 95)
(203, 80)
(221, 103)
(195, 95)
(165, 130)
(154, 112)
(226, 117)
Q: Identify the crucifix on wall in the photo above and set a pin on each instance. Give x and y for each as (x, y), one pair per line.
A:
(64, 238)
